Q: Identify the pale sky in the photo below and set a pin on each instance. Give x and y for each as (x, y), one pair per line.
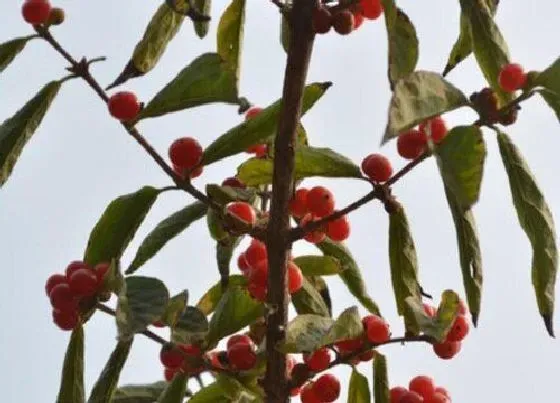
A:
(80, 159)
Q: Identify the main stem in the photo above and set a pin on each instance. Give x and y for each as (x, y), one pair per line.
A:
(278, 242)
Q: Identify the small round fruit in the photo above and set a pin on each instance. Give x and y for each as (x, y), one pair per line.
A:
(295, 278)
(56, 16)
(343, 22)
(447, 350)
(320, 201)
(322, 20)
(171, 357)
(252, 112)
(319, 360)
(234, 183)
(339, 230)
(243, 211)
(124, 105)
(437, 128)
(459, 330)
(62, 298)
(241, 357)
(307, 394)
(243, 264)
(377, 167)
(53, 281)
(316, 236)
(298, 204)
(412, 397)
(101, 271)
(256, 252)
(327, 388)
(411, 144)
(512, 77)
(443, 391)
(238, 339)
(75, 266)
(367, 355)
(260, 150)
(193, 361)
(65, 320)
(169, 373)
(259, 274)
(36, 11)
(396, 394)
(423, 385)
(371, 9)
(83, 283)
(257, 291)
(185, 153)
(377, 330)
(437, 398)
(348, 346)
(358, 18)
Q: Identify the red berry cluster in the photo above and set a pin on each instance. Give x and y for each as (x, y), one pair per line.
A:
(260, 150)
(451, 346)
(239, 355)
(177, 358)
(185, 154)
(512, 77)
(38, 12)
(253, 263)
(376, 331)
(412, 143)
(314, 204)
(421, 389)
(124, 106)
(324, 389)
(344, 21)
(66, 291)
(486, 104)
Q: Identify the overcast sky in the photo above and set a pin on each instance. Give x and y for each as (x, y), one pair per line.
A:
(80, 159)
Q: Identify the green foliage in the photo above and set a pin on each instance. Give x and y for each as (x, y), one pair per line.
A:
(226, 194)
(318, 265)
(147, 393)
(380, 379)
(175, 390)
(175, 308)
(309, 300)
(9, 50)
(201, 27)
(347, 326)
(191, 327)
(106, 384)
(230, 36)
(305, 333)
(210, 300)
(358, 390)
(550, 80)
(72, 380)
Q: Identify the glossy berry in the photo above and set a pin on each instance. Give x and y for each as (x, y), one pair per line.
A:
(377, 330)
(459, 330)
(295, 278)
(322, 20)
(327, 388)
(423, 385)
(396, 393)
(307, 394)
(298, 204)
(75, 266)
(320, 201)
(437, 398)
(377, 167)
(192, 363)
(411, 144)
(185, 153)
(430, 310)
(218, 359)
(65, 320)
(260, 150)
(412, 397)
(241, 356)
(36, 11)
(371, 9)
(101, 271)
(443, 391)
(315, 236)
(83, 283)
(252, 112)
(367, 356)
(447, 350)
(243, 211)
(256, 252)
(343, 22)
(259, 274)
(339, 230)
(358, 18)
(238, 339)
(234, 183)
(257, 291)
(512, 77)
(171, 357)
(169, 373)
(53, 281)
(124, 105)
(243, 264)
(62, 298)
(437, 128)
(319, 360)
(348, 346)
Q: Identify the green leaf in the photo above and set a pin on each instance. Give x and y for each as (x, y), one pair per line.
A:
(191, 327)
(230, 35)
(351, 274)
(175, 390)
(201, 27)
(9, 50)
(165, 231)
(348, 326)
(16, 131)
(403, 43)
(175, 308)
(213, 393)
(305, 333)
(358, 391)
(141, 302)
(206, 80)
(258, 129)
(552, 99)
(469, 254)
(309, 161)
(536, 220)
(313, 265)
(108, 379)
(308, 300)
(489, 47)
(210, 300)
(321, 286)
(461, 158)
(226, 194)
(72, 383)
(420, 96)
(380, 379)
(550, 80)
(235, 310)
(147, 393)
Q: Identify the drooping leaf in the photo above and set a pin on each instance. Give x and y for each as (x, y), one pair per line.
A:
(235, 310)
(347, 326)
(190, 327)
(210, 394)
(175, 390)
(380, 379)
(313, 265)
(226, 194)
(550, 80)
(552, 99)
(175, 308)
(161, 30)
(9, 50)
(305, 333)
(358, 391)
(536, 220)
(321, 286)
(212, 297)
(351, 274)
(309, 161)
(308, 300)
(201, 27)
(106, 384)
(141, 302)
(258, 129)
(165, 231)
(417, 97)
(469, 254)
(230, 35)
(204, 81)
(16, 131)
(461, 157)
(147, 393)
(216, 226)
(72, 382)
(489, 47)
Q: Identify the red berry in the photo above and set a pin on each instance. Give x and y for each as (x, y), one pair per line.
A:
(124, 105)
(343, 22)
(423, 385)
(169, 373)
(430, 310)
(185, 153)
(36, 11)
(307, 394)
(101, 271)
(241, 356)
(171, 357)
(259, 274)
(377, 330)
(397, 393)
(367, 356)
(243, 264)
(411, 144)
(238, 339)
(62, 298)
(53, 281)
(256, 252)
(327, 388)
(319, 360)
(512, 77)
(234, 183)
(371, 9)
(315, 236)
(459, 330)
(243, 211)
(339, 230)
(348, 346)
(195, 173)
(298, 205)
(358, 18)
(443, 391)
(257, 291)
(437, 129)
(193, 361)
(75, 266)
(447, 349)
(295, 278)
(83, 283)
(65, 320)
(377, 167)
(437, 398)
(412, 397)
(320, 201)
(259, 150)
(322, 20)
(217, 359)
(295, 391)
(252, 112)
